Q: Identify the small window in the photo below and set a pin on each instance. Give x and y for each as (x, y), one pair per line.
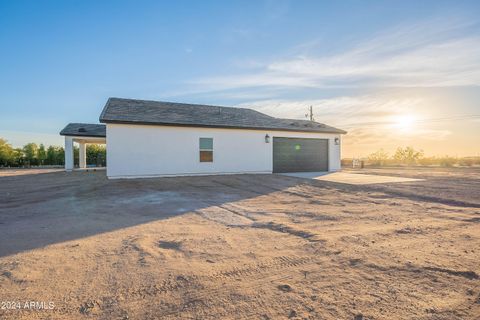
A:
(206, 149)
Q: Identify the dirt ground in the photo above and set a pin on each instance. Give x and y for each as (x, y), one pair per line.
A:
(78, 246)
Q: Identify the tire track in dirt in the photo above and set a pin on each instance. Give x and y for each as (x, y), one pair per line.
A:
(411, 268)
(195, 288)
(282, 228)
(283, 268)
(277, 263)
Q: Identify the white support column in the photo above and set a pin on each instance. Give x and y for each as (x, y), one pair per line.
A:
(82, 155)
(68, 153)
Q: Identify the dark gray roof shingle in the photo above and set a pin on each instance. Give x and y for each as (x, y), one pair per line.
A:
(84, 130)
(134, 111)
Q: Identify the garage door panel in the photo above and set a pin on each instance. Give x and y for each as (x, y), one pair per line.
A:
(300, 154)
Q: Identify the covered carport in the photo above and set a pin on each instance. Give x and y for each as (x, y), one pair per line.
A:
(83, 134)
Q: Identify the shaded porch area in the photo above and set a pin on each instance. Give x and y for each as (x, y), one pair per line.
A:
(81, 134)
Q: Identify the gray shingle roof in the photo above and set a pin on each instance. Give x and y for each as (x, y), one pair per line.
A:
(84, 130)
(134, 111)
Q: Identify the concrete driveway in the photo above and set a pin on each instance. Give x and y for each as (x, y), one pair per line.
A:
(349, 178)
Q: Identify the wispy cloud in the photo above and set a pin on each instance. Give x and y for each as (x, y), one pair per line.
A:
(370, 85)
(345, 111)
(371, 120)
(440, 52)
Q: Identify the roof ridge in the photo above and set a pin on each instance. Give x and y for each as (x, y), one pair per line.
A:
(88, 124)
(185, 104)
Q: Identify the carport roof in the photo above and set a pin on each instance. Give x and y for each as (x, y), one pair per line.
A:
(132, 111)
(84, 130)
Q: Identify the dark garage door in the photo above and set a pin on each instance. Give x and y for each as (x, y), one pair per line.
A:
(300, 155)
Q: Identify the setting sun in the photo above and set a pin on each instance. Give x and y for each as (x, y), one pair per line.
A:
(404, 122)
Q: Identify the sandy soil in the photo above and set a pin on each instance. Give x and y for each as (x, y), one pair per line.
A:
(21, 172)
(240, 247)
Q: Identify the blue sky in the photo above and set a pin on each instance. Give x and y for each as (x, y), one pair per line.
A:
(386, 71)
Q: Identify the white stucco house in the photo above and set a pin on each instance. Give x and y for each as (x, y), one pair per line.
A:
(154, 139)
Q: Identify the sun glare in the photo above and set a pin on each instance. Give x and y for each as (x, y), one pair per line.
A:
(405, 121)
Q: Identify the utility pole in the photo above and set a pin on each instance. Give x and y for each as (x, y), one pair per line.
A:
(310, 114)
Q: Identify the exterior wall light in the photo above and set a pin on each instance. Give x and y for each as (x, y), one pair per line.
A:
(337, 141)
(267, 138)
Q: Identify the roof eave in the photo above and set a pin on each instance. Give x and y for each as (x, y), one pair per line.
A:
(95, 134)
(326, 130)
(104, 110)
(82, 135)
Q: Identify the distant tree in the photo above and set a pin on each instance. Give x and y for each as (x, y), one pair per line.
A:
(41, 154)
(55, 156)
(96, 154)
(18, 158)
(60, 156)
(30, 154)
(51, 156)
(76, 154)
(30, 151)
(378, 158)
(6, 153)
(408, 155)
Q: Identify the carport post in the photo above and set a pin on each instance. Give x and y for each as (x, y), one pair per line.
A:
(82, 155)
(68, 153)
